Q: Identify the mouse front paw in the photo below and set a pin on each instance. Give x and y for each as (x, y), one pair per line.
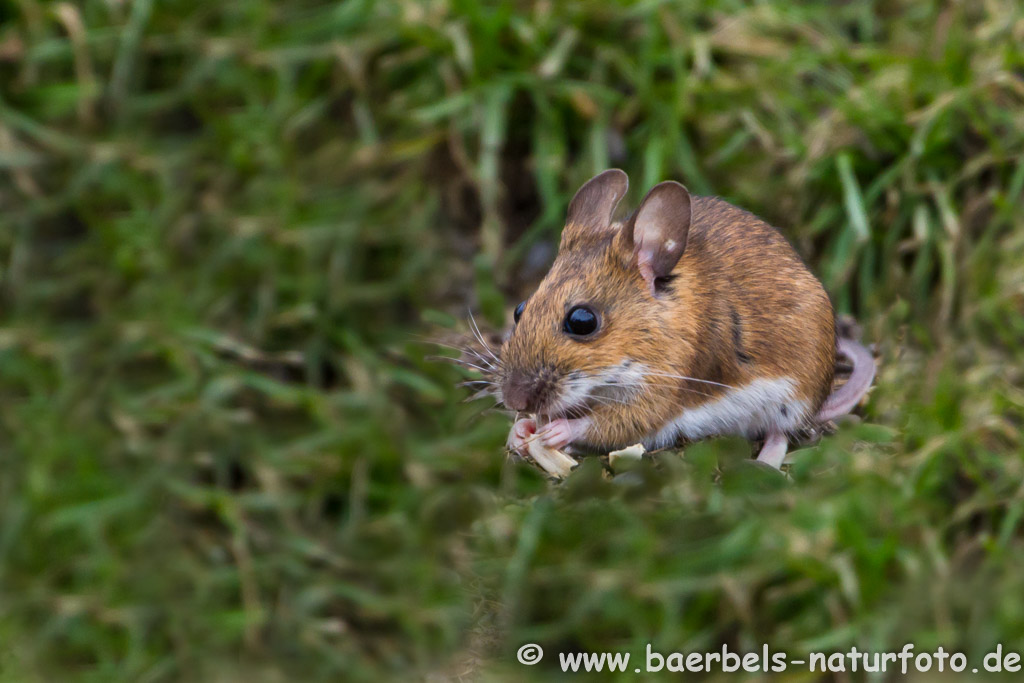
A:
(562, 432)
(523, 431)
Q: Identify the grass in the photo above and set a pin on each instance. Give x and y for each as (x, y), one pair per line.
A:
(227, 227)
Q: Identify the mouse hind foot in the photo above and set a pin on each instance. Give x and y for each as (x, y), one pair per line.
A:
(774, 450)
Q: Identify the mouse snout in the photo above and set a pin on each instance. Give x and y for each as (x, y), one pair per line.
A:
(519, 391)
(531, 392)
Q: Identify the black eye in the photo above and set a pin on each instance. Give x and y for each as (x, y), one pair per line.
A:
(581, 321)
(518, 313)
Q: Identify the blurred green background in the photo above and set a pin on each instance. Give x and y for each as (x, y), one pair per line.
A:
(226, 229)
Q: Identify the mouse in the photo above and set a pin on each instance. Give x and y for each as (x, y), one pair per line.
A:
(689, 318)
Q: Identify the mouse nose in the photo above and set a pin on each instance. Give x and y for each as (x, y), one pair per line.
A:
(518, 392)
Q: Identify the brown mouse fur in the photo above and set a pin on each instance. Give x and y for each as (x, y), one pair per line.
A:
(708, 323)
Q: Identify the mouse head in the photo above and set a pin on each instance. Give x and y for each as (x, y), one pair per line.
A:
(591, 331)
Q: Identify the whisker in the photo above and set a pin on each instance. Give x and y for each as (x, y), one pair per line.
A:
(639, 387)
(454, 348)
(576, 411)
(677, 387)
(607, 400)
(480, 337)
(483, 393)
(480, 357)
(459, 361)
(461, 349)
(600, 400)
(690, 379)
(469, 357)
(672, 385)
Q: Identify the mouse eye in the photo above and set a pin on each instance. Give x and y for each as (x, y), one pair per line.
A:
(518, 313)
(581, 321)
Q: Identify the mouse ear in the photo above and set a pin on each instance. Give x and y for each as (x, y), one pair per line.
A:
(660, 227)
(594, 203)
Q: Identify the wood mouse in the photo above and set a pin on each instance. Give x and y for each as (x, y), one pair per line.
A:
(688, 319)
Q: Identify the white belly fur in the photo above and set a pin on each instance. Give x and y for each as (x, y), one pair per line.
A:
(753, 410)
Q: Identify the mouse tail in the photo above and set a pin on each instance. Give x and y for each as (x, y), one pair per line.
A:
(845, 398)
